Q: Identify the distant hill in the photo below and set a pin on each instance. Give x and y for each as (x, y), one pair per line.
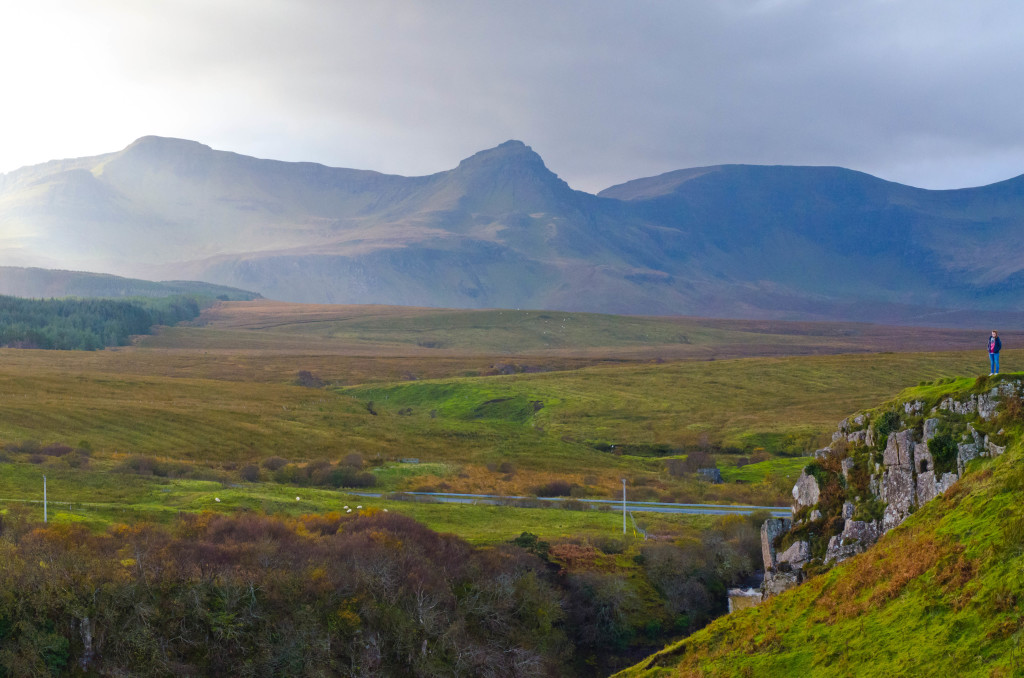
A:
(502, 230)
(44, 283)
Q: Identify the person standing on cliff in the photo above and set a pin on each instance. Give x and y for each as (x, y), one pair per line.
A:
(994, 346)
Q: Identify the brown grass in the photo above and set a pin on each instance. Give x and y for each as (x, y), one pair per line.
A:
(881, 574)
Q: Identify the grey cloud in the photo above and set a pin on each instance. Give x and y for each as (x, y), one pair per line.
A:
(925, 92)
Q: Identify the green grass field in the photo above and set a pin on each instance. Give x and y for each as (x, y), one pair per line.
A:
(98, 497)
(220, 395)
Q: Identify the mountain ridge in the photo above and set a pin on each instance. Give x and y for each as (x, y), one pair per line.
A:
(502, 229)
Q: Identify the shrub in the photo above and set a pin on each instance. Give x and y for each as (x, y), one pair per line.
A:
(56, 450)
(250, 473)
(24, 447)
(346, 476)
(532, 543)
(555, 488)
(274, 463)
(291, 475)
(887, 423)
(943, 449)
(139, 464)
(309, 380)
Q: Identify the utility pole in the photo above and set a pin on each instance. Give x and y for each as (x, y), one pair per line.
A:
(44, 500)
(623, 506)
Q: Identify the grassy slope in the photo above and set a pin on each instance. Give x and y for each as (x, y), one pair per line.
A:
(769, 402)
(221, 408)
(940, 595)
(766, 401)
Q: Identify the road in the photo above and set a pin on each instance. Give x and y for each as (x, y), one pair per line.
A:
(634, 506)
(513, 500)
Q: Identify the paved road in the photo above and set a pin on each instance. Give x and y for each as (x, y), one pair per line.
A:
(634, 506)
(497, 499)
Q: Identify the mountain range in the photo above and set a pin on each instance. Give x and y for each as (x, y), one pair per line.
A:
(502, 230)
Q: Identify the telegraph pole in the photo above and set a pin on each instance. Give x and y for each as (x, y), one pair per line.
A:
(44, 500)
(623, 506)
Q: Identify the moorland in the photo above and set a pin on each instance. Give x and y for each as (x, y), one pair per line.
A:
(263, 411)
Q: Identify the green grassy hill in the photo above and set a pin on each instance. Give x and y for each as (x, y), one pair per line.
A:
(939, 595)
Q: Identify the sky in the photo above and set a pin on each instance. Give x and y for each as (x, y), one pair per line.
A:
(924, 92)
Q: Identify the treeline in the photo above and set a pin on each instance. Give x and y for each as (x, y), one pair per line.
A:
(86, 324)
(376, 594)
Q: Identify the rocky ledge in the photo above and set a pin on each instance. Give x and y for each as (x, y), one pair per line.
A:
(879, 468)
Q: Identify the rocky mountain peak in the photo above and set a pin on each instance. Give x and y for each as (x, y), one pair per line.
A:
(510, 173)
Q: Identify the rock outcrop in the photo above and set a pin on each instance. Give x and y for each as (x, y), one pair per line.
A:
(885, 465)
(806, 491)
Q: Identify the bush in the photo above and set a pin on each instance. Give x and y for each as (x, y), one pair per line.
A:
(291, 475)
(346, 476)
(555, 488)
(274, 463)
(138, 464)
(887, 423)
(56, 450)
(309, 380)
(250, 473)
(532, 543)
(24, 447)
(943, 449)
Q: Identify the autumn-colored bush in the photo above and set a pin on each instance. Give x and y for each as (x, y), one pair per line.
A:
(253, 595)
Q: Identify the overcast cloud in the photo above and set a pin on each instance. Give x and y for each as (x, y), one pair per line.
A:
(924, 92)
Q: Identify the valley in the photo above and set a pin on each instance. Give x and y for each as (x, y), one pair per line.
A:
(266, 411)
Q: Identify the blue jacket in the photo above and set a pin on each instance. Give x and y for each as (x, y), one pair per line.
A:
(997, 347)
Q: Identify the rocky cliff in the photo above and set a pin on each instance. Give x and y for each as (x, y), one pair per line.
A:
(940, 592)
(879, 468)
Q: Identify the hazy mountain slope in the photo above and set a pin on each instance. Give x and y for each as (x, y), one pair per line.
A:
(938, 596)
(43, 283)
(501, 229)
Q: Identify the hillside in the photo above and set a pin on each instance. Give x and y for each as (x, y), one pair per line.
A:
(938, 595)
(44, 283)
(502, 230)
